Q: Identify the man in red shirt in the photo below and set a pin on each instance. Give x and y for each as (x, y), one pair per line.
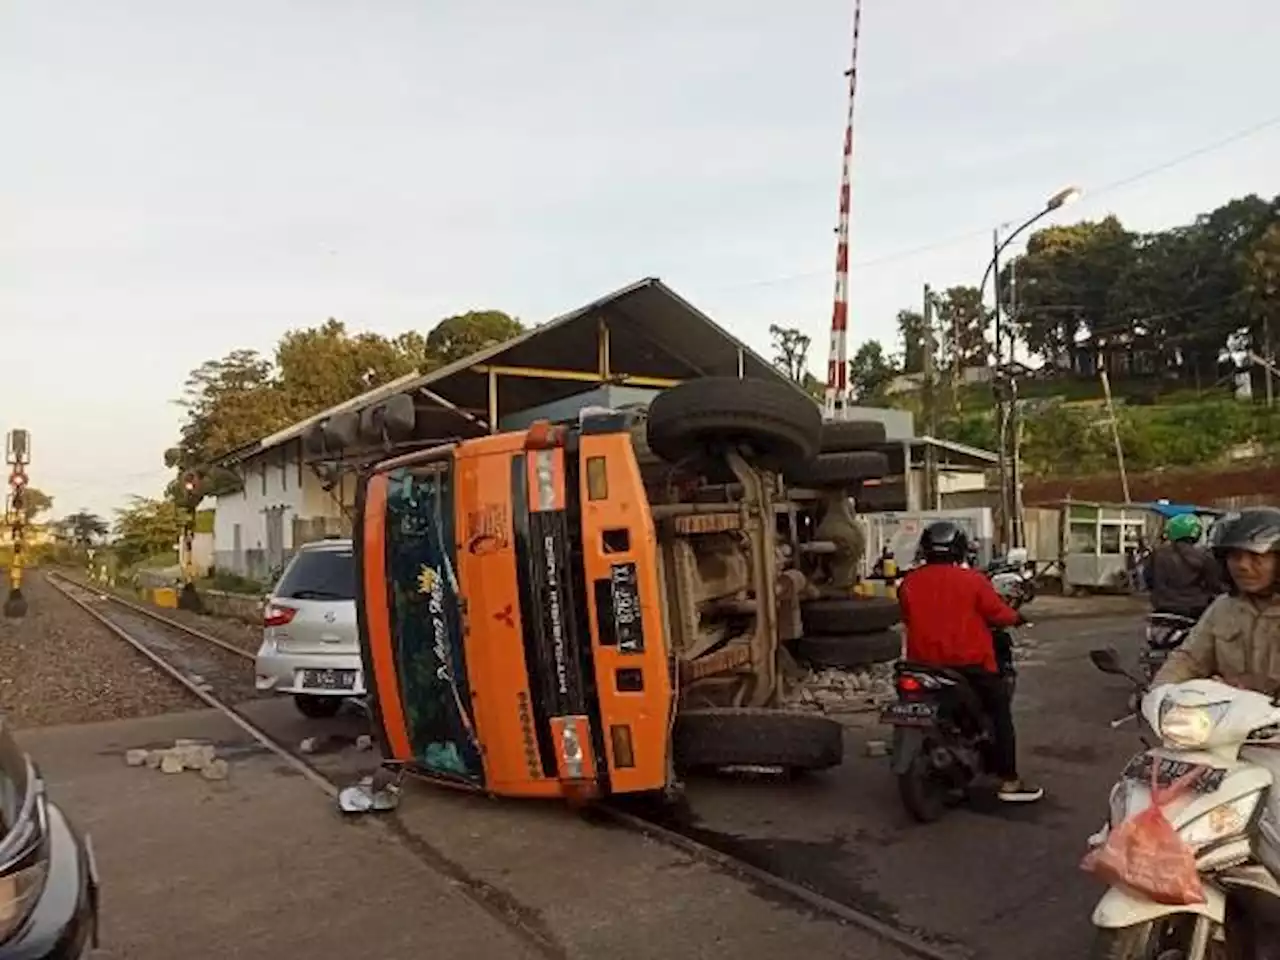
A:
(949, 611)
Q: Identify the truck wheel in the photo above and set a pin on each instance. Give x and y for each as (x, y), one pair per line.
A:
(839, 436)
(756, 737)
(850, 651)
(836, 617)
(840, 469)
(317, 708)
(770, 423)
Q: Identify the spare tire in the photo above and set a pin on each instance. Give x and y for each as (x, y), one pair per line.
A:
(840, 469)
(839, 436)
(850, 651)
(756, 737)
(855, 615)
(770, 423)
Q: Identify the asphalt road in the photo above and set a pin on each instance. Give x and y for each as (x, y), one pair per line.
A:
(996, 881)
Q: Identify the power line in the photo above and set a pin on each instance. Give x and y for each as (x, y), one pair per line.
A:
(954, 239)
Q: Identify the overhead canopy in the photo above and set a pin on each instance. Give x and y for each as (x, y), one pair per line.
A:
(644, 335)
(1167, 510)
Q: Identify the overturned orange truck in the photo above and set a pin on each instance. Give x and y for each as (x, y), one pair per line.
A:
(580, 609)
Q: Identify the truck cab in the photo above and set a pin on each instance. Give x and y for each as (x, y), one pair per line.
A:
(510, 613)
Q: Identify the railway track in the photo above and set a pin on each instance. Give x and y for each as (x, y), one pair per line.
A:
(217, 673)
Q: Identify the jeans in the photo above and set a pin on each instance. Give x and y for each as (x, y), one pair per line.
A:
(993, 694)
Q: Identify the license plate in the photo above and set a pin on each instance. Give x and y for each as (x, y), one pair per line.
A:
(628, 626)
(1169, 772)
(329, 679)
(910, 714)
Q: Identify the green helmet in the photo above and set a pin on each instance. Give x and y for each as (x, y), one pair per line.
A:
(1185, 526)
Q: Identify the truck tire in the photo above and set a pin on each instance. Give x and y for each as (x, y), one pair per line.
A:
(771, 423)
(839, 436)
(849, 651)
(840, 469)
(837, 617)
(757, 737)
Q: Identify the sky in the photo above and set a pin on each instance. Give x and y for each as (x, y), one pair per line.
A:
(181, 179)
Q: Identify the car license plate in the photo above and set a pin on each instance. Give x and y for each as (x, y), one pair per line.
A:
(628, 625)
(329, 679)
(912, 713)
(1169, 771)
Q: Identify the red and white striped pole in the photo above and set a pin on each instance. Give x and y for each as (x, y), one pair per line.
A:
(837, 394)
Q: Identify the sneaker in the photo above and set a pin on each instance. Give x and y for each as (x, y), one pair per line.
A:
(1019, 791)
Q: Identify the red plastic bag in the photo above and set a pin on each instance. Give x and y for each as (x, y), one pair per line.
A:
(1146, 854)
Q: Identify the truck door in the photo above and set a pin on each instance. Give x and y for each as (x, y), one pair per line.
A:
(410, 619)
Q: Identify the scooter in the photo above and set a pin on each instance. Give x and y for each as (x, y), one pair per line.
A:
(1012, 575)
(1166, 632)
(1202, 726)
(942, 734)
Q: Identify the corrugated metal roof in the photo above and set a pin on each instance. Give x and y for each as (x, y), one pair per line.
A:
(653, 332)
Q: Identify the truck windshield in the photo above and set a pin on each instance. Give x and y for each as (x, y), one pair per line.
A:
(424, 617)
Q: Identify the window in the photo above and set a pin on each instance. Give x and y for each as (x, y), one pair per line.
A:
(1109, 539)
(319, 575)
(1083, 537)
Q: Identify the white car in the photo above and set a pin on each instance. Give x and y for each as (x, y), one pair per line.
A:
(310, 647)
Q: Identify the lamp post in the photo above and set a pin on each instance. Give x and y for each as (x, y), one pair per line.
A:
(1006, 385)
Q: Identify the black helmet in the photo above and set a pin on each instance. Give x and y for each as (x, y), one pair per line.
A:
(943, 541)
(1256, 530)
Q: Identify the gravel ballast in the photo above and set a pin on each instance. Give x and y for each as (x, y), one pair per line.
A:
(58, 665)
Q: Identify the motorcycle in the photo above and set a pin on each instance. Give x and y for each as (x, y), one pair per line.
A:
(941, 733)
(1165, 634)
(1012, 575)
(1202, 726)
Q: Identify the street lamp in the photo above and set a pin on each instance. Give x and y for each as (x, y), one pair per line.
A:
(1006, 387)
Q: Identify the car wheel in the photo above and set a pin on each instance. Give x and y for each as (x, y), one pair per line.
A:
(317, 708)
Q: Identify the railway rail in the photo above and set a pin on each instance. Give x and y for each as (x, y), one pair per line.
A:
(207, 667)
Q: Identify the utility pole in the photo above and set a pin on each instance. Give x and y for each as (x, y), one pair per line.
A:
(1002, 405)
(931, 491)
(1115, 434)
(1266, 369)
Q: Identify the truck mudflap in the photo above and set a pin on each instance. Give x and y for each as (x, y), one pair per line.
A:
(907, 744)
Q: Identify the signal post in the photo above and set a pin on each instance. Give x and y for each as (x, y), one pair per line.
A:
(17, 454)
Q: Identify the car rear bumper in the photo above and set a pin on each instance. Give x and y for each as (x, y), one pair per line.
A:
(65, 921)
(280, 672)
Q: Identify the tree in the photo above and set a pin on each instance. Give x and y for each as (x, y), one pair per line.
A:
(147, 528)
(964, 322)
(323, 366)
(911, 330)
(790, 351)
(870, 372)
(81, 528)
(460, 336)
(1262, 288)
(35, 502)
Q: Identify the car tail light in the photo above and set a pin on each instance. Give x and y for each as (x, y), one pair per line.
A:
(277, 615)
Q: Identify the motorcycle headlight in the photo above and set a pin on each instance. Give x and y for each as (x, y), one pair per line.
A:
(1221, 823)
(1189, 727)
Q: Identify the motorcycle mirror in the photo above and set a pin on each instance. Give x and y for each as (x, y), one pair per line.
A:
(1106, 661)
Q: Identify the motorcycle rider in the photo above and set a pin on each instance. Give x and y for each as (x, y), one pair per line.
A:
(949, 611)
(1238, 637)
(1183, 577)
